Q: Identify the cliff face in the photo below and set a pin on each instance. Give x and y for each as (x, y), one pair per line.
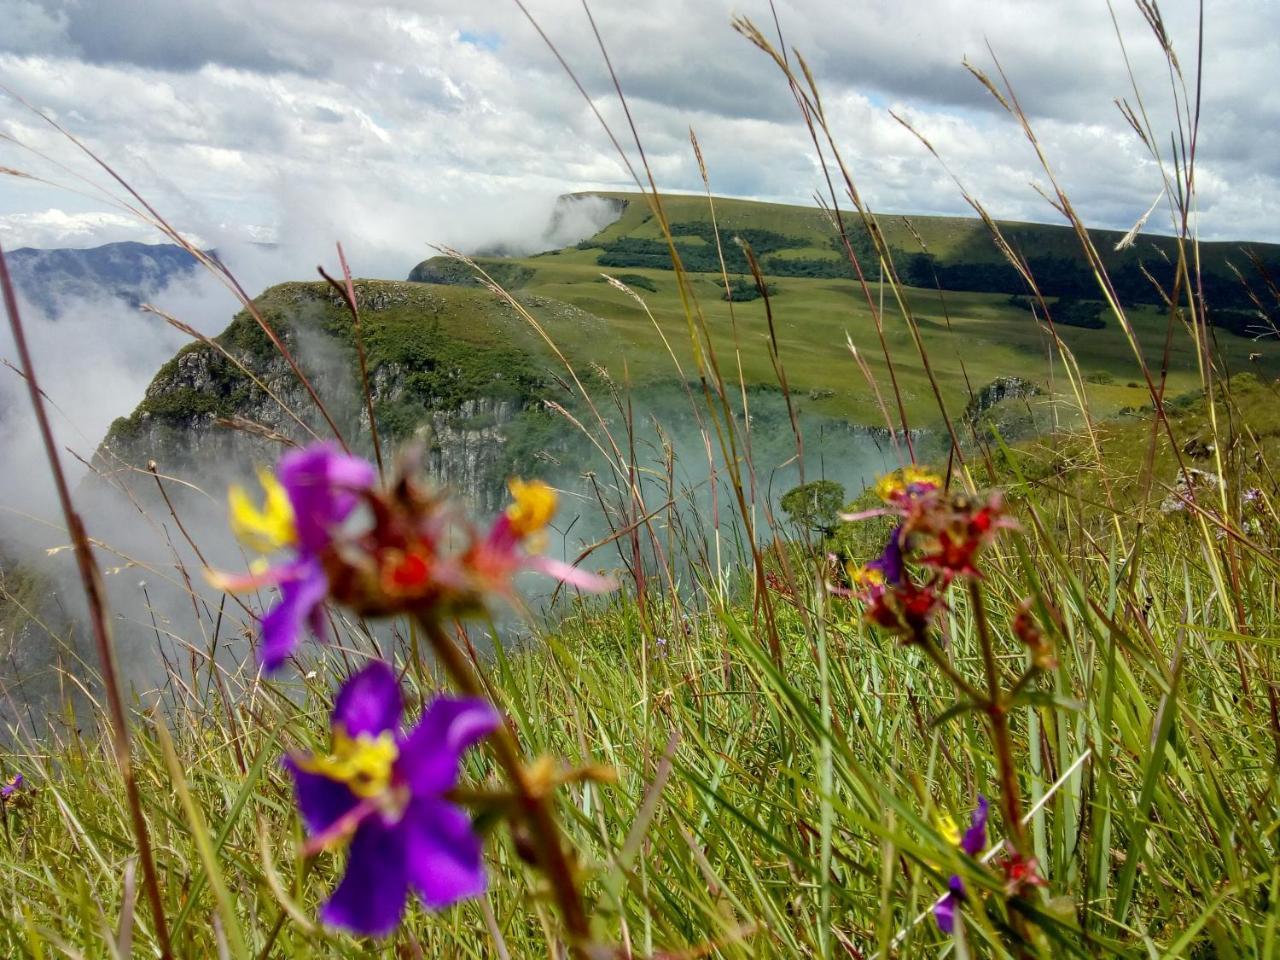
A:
(451, 370)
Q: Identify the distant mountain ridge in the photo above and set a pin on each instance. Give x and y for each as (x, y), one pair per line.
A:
(128, 271)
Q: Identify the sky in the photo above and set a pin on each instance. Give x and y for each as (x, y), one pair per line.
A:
(395, 126)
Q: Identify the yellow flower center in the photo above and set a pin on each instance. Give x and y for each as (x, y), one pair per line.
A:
(264, 528)
(363, 762)
(535, 504)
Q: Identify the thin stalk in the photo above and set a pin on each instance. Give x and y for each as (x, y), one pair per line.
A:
(534, 803)
(92, 583)
(998, 716)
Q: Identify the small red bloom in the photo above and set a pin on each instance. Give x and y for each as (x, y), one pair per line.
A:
(406, 573)
(954, 558)
(1021, 874)
(904, 608)
(1026, 629)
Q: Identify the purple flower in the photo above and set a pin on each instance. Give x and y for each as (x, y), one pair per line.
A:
(324, 486)
(301, 604)
(890, 562)
(974, 840)
(945, 910)
(312, 493)
(972, 843)
(385, 790)
(12, 787)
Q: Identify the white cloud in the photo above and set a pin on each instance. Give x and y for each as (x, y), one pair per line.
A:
(423, 124)
(57, 228)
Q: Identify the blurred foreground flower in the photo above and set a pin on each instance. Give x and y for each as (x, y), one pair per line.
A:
(384, 792)
(310, 496)
(413, 553)
(973, 842)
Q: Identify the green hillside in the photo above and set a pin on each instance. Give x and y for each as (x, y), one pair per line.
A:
(971, 337)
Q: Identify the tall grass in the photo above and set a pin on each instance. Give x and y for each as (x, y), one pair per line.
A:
(746, 768)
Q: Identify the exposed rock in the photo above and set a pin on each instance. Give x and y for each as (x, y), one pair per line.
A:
(458, 399)
(999, 389)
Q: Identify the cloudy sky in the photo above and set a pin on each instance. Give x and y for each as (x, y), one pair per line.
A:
(392, 126)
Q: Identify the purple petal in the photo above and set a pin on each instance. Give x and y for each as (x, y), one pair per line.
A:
(431, 753)
(321, 801)
(324, 486)
(442, 853)
(12, 787)
(944, 912)
(890, 562)
(369, 702)
(371, 897)
(299, 599)
(974, 840)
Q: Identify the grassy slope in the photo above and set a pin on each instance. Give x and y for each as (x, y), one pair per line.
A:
(732, 850)
(973, 334)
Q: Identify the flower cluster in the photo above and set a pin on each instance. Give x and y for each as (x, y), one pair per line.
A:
(383, 791)
(940, 531)
(972, 842)
(379, 552)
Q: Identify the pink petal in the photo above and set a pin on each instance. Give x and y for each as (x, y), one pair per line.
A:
(574, 576)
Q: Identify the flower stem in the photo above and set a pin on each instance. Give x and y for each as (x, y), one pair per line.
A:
(91, 580)
(1010, 799)
(534, 803)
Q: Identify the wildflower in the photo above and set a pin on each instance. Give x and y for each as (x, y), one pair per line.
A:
(1021, 874)
(955, 529)
(403, 559)
(383, 791)
(890, 565)
(312, 493)
(944, 911)
(515, 542)
(907, 484)
(906, 609)
(893, 600)
(972, 842)
(10, 789)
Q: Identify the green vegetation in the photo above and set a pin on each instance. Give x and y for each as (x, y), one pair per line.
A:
(761, 803)
(973, 337)
(747, 751)
(440, 350)
(813, 506)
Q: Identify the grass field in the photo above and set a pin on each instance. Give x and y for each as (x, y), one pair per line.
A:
(971, 338)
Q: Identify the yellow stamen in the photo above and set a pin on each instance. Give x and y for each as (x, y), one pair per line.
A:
(267, 528)
(534, 505)
(362, 762)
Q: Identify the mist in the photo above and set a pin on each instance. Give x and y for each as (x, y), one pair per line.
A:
(94, 357)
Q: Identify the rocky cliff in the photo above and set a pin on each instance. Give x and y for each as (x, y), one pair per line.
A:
(452, 369)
